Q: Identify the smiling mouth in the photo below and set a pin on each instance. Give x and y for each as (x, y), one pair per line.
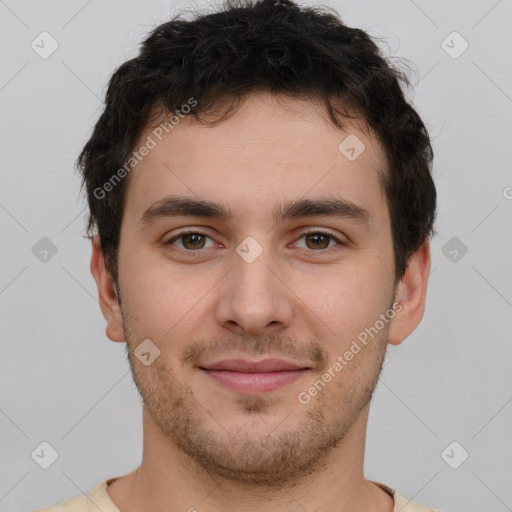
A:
(254, 378)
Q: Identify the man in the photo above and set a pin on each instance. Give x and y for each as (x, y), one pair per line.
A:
(261, 206)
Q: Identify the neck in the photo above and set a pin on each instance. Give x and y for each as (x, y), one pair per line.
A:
(168, 480)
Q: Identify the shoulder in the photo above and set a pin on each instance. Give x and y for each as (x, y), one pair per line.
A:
(79, 504)
(403, 504)
(97, 499)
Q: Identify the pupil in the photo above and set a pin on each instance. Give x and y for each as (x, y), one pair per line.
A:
(316, 237)
(193, 239)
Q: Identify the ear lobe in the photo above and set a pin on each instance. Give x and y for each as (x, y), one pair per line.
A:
(107, 293)
(411, 294)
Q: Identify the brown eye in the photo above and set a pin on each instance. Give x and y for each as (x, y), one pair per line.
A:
(193, 241)
(190, 241)
(318, 240)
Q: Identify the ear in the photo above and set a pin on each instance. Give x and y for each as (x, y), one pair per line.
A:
(106, 293)
(411, 293)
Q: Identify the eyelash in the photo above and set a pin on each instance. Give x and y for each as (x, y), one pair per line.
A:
(313, 231)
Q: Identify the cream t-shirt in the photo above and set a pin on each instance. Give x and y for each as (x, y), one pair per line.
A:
(99, 500)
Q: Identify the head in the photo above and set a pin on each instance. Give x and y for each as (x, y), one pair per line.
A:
(259, 187)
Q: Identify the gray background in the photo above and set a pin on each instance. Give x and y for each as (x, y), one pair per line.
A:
(62, 381)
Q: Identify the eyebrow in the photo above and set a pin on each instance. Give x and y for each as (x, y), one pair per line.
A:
(176, 206)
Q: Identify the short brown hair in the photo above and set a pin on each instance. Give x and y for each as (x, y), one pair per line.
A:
(269, 45)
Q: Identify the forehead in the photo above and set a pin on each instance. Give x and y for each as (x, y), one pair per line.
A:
(273, 149)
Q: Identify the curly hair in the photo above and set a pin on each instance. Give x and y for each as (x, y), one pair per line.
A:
(275, 46)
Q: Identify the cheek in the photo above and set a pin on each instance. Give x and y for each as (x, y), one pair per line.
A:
(156, 299)
(344, 302)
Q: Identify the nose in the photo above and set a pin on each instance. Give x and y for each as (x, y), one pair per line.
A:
(253, 299)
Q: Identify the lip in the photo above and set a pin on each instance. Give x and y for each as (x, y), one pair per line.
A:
(244, 366)
(254, 378)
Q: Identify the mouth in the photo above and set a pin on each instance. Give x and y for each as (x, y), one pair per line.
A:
(254, 378)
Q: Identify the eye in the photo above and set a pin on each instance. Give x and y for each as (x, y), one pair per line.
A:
(320, 240)
(191, 240)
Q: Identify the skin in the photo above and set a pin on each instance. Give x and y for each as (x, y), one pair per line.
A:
(207, 447)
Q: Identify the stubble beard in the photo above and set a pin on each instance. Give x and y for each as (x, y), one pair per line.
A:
(293, 447)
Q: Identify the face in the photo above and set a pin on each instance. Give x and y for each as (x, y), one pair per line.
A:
(296, 269)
